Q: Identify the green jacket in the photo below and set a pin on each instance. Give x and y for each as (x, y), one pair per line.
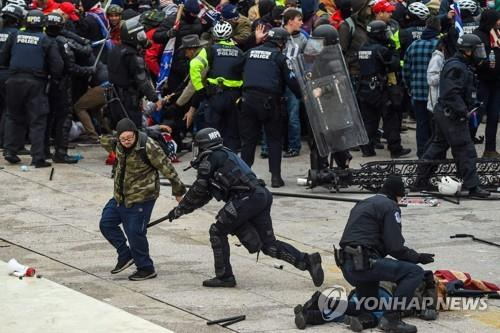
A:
(136, 181)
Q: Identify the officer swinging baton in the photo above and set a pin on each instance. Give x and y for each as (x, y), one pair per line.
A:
(475, 239)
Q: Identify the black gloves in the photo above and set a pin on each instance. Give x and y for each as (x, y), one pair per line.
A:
(425, 258)
(174, 214)
(171, 33)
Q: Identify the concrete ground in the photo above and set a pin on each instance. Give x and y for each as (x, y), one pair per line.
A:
(53, 226)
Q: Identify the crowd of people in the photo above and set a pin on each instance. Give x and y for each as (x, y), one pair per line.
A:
(72, 70)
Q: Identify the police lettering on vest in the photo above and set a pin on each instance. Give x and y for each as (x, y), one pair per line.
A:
(27, 54)
(23, 39)
(364, 54)
(259, 54)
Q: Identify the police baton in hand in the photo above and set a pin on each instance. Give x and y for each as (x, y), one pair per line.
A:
(155, 222)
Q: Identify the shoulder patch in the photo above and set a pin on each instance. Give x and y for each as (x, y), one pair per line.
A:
(397, 216)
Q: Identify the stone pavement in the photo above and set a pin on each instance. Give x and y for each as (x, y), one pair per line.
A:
(53, 226)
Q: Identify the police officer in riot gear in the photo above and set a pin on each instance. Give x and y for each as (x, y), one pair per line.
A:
(327, 35)
(265, 74)
(376, 60)
(451, 129)
(224, 176)
(223, 83)
(60, 99)
(373, 231)
(12, 17)
(128, 73)
(31, 57)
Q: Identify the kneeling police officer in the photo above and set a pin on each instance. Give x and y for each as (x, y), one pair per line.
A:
(373, 231)
(225, 176)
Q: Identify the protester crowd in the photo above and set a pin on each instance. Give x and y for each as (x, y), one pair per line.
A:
(69, 71)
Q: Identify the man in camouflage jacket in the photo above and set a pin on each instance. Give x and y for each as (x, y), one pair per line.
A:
(137, 186)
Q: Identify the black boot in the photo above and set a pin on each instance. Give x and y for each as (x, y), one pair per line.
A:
(12, 158)
(473, 192)
(59, 158)
(400, 153)
(277, 181)
(314, 267)
(391, 322)
(228, 282)
(361, 322)
(41, 164)
(300, 317)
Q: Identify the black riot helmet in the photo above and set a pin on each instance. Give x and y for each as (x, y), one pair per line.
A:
(14, 12)
(132, 33)
(328, 33)
(35, 19)
(471, 42)
(278, 36)
(207, 138)
(54, 24)
(378, 30)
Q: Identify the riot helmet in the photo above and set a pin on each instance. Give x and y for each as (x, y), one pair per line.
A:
(13, 12)
(132, 33)
(472, 43)
(207, 138)
(378, 31)
(278, 36)
(328, 33)
(35, 19)
(54, 24)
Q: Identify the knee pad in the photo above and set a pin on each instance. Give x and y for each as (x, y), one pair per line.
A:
(249, 238)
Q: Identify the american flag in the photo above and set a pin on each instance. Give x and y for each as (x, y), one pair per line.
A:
(458, 19)
(165, 64)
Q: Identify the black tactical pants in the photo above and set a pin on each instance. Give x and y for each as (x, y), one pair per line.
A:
(3, 108)
(27, 103)
(59, 119)
(221, 113)
(261, 110)
(374, 104)
(452, 133)
(406, 275)
(252, 210)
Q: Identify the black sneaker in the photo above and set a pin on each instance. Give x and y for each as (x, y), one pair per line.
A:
(121, 265)
(41, 164)
(291, 153)
(300, 318)
(12, 158)
(277, 181)
(400, 153)
(361, 322)
(229, 282)
(141, 274)
(478, 192)
(315, 269)
(23, 151)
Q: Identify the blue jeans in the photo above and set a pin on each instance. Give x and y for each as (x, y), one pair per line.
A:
(424, 129)
(293, 110)
(135, 220)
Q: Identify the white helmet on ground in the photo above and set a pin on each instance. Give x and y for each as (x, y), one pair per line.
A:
(468, 5)
(419, 10)
(222, 30)
(449, 186)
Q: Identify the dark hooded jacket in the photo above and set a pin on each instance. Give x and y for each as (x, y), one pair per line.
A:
(488, 20)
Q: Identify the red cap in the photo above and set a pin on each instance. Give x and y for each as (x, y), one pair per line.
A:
(69, 9)
(383, 6)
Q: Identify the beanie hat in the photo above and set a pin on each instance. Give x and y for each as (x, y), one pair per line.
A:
(434, 23)
(393, 187)
(125, 125)
(192, 6)
(229, 12)
(87, 4)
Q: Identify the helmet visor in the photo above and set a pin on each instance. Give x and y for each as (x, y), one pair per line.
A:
(196, 150)
(480, 52)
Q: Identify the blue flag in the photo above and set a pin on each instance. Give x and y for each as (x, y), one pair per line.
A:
(165, 64)
(459, 27)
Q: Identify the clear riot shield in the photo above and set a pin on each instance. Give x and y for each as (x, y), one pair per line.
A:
(329, 99)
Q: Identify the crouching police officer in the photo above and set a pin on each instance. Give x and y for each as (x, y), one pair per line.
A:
(456, 91)
(265, 74)
(246, 214)
(376, 60)
(373, 231)
(31, 57)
